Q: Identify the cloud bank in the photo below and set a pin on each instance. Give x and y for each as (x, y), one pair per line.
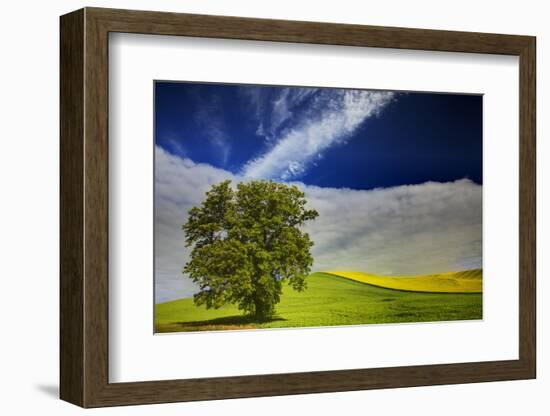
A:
(303, 123)
(426, 228)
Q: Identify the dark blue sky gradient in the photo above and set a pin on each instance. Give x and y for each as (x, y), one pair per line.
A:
(418, 137)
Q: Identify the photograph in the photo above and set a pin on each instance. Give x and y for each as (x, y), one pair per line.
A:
(252, 206)
(279, 206)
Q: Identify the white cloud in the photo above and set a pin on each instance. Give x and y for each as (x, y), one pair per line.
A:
(431, 227)
(329, 119)
(179, 185)
(427, 228)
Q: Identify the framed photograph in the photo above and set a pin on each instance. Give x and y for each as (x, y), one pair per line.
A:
(255, 207)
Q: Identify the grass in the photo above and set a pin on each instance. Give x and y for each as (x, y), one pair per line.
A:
(468, 281)
(329, 300)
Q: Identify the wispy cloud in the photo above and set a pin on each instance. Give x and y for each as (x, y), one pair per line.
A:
(275, 109)
(425, 228)
(284, 110)
(304, 123)
(209, 117)
(177, 146)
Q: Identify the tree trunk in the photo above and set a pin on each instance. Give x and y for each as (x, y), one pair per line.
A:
(259, 310)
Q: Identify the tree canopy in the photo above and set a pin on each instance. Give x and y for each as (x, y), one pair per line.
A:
(246, 243)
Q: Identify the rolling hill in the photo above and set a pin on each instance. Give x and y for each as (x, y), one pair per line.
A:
(332, 300)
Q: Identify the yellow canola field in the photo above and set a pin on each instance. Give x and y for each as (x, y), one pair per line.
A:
(468, 281)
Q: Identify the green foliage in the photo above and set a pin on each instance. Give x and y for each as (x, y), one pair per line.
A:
(248, 242)
(329, 300)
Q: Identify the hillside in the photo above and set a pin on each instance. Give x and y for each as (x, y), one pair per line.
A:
(329, 300)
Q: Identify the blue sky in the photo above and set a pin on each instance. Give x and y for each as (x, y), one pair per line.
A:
(396, 177)
(407, 138)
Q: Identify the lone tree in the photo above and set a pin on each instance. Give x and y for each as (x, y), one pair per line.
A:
(246, 243)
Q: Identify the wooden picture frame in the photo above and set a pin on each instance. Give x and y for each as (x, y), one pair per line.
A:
(84, 207)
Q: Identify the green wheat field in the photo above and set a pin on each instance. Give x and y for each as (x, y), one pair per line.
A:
(343, 298)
